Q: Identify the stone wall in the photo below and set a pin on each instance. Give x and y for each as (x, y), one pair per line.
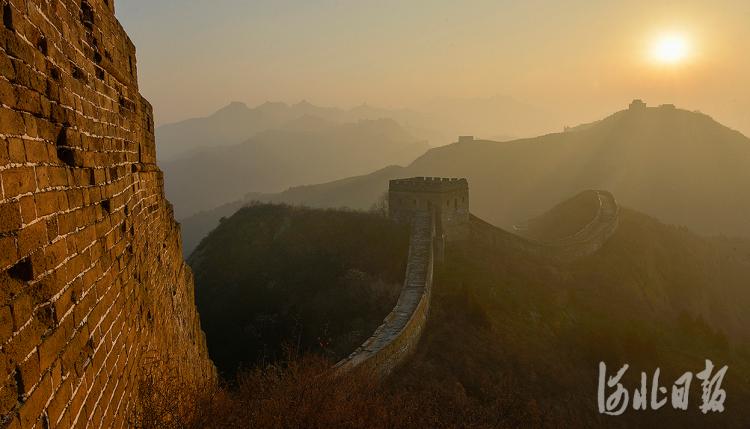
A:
(588, 240)
(91, 271)
(448, 198)
(396, 339)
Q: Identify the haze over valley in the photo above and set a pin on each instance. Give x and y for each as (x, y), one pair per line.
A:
(682, 167)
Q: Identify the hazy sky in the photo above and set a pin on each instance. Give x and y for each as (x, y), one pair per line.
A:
(580, 60)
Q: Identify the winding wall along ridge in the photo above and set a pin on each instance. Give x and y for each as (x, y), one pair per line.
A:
(396, 339)
(583, 243)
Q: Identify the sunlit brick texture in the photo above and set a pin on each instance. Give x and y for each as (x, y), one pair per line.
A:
(91, 272)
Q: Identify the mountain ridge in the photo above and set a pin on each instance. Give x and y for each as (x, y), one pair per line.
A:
(679, 166)
(307, 150)
(237, 122)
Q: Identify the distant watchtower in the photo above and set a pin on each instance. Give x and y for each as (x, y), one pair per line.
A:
(448, 198)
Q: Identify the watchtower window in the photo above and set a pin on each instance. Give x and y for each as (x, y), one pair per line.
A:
(448, 203)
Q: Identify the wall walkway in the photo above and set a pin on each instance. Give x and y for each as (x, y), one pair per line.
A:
(396, 339)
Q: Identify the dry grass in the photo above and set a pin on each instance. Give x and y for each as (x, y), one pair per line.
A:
(305, 392)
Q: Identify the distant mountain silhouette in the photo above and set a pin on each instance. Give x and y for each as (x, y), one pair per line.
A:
(437, 124)
(308, 149)
(679, 166)
(237, 122)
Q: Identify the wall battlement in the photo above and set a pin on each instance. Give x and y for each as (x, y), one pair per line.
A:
(91, 272)
(428, 184)
(447, 198)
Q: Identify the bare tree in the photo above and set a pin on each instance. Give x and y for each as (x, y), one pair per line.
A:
(380, 206)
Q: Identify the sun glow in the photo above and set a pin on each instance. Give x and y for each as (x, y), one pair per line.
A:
(670, 49)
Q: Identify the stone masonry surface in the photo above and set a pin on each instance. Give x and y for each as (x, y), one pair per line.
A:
(91, 272)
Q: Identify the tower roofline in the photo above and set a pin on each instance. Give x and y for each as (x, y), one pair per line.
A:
(428, 184)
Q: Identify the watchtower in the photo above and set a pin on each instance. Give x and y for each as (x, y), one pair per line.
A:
(448, 198)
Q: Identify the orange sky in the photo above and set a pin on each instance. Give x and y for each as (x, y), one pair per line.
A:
(580, 60)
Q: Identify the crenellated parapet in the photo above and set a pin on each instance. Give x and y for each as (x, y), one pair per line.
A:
(447, 198)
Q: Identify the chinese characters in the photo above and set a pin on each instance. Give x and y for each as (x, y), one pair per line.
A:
(617, 401)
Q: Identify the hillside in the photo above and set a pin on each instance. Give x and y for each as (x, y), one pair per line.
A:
(655, 296)
(679, 166)
(504, 326)
(196, 226)
(272, 274)
(305, 150)
(563, 220)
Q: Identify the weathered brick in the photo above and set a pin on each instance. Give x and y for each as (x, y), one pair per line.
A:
(8, 395)
(32, 409)
(28, 209)
(7, 94)
(37, 264)
(6, 324)
(59, 402)
(12, 122)
(22, 344)
(17, 48)
(32, 129)
(22, 308)
(52, 229)
(47, 287)
(16, 150)
(56, 253)
(6, 66)
(28, 100)
(46, 203)
(10, 217)
(8, 251)
(29, 374)
(58, 176)
(36, 151)
(52, 346)
(18, 181)
(4, 155)
(32, 238)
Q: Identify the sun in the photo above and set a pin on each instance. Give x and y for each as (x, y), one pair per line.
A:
(670, 49)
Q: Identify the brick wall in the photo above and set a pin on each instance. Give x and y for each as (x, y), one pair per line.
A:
(448, 198)
(396, 339)
(587, 241)
(91, 271)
